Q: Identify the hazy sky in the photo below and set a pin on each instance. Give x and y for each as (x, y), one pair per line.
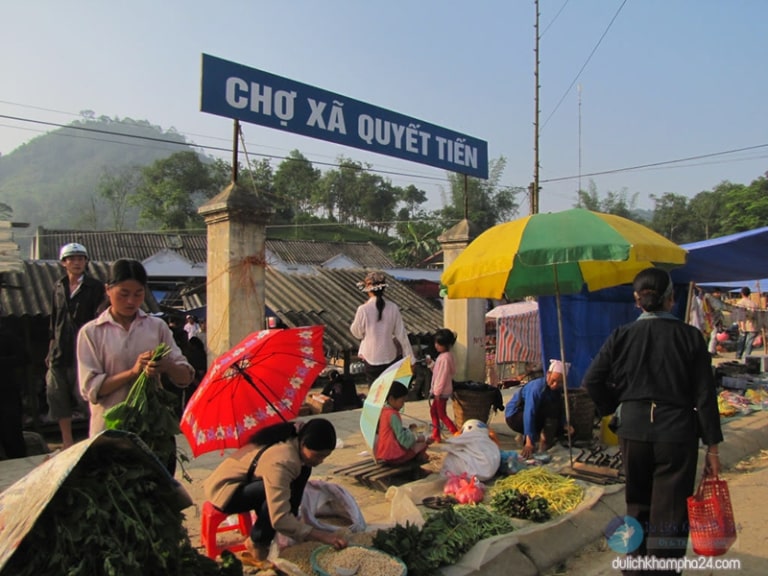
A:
(670, 79)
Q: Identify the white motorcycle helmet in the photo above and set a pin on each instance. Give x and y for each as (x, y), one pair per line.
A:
(72, 249)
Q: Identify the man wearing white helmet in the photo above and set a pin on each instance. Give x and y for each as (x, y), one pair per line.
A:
(75, 301)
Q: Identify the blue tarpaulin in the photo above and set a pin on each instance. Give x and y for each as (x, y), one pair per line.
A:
(590, 317)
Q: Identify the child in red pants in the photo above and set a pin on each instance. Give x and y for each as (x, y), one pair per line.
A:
(443, 370)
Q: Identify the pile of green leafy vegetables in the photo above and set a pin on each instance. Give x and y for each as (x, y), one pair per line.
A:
(113, 516)
(148, 412)
(445, 537)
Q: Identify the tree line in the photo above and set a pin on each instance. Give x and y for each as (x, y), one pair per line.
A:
(726, 209)
(168, 192)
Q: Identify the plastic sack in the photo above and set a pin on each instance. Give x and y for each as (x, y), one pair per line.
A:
(328, 499)
(403, 511)
(472, 492)
(472, 452)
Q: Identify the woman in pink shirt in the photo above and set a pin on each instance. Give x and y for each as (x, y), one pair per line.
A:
(115, 347)
(443, 370)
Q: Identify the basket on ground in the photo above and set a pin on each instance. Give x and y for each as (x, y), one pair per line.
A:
(582, 411)
(471, 404)
(710, 516)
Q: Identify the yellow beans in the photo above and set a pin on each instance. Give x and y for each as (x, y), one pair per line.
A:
(563, 494)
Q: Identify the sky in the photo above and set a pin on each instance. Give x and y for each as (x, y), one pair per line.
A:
(660, 80)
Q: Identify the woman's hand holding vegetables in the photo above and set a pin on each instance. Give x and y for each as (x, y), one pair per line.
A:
(141, 364)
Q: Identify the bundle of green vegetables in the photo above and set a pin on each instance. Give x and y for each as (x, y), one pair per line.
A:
(148, 412)
(113, 516)
(445, 537)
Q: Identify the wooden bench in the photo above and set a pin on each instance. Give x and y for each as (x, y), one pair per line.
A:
(378, 475)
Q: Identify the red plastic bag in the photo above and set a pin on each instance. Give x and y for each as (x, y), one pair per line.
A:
(710, 516)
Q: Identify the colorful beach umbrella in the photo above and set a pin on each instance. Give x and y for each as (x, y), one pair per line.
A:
(557, 253)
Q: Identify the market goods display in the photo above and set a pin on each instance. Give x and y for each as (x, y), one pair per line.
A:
(147, 411)
(117, 512)
(445, 537)
(562, 494)
(514, 503)
(357, 560)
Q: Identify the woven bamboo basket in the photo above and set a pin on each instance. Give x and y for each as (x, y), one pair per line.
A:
(472, 405)
(582, 412)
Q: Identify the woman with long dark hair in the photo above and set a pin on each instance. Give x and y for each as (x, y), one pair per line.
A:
(268, 476)
(378, 325)
(117, 346)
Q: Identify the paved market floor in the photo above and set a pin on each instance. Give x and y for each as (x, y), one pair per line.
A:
(532, 552)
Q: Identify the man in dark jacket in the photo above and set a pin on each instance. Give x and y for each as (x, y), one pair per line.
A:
(75, 301)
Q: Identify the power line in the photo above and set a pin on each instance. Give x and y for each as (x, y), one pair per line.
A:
(207, 147)
(555, 18)
(567, 90)
(663, 163)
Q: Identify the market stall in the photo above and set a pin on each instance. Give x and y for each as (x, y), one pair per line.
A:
(514, 340)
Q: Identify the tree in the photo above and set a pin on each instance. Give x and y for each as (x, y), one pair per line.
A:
(706, 211)
(488, 201)
(745, 207)
(171, 190)
(618, 203)
(378, 201)
(296, 182)
(671, 217)
(417, 240)
(117, 186)
(412, 197)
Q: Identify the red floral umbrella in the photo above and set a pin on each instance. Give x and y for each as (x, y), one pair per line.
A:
(261, 381)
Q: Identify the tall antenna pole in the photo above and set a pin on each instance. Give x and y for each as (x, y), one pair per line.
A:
(535, 190)
(578, 199)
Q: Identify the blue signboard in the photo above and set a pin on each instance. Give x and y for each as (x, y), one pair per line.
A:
(257, 97)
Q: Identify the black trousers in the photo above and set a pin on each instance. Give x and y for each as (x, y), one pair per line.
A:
(659, 478)
(252, 496)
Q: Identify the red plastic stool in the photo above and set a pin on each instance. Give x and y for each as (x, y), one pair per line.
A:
(211, 526)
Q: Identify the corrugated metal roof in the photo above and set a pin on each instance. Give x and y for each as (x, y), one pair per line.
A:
(28, 293)
(110, 246)
(308, 252)
(330, 297)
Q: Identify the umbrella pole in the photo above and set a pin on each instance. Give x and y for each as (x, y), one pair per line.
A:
(250, 381)
(565, 370)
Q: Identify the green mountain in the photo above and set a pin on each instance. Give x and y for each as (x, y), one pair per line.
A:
(52, 180)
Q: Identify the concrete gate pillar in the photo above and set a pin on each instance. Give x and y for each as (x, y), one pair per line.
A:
(236, 220)
(466, 317)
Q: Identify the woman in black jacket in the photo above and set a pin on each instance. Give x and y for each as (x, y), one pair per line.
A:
(656, 375)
